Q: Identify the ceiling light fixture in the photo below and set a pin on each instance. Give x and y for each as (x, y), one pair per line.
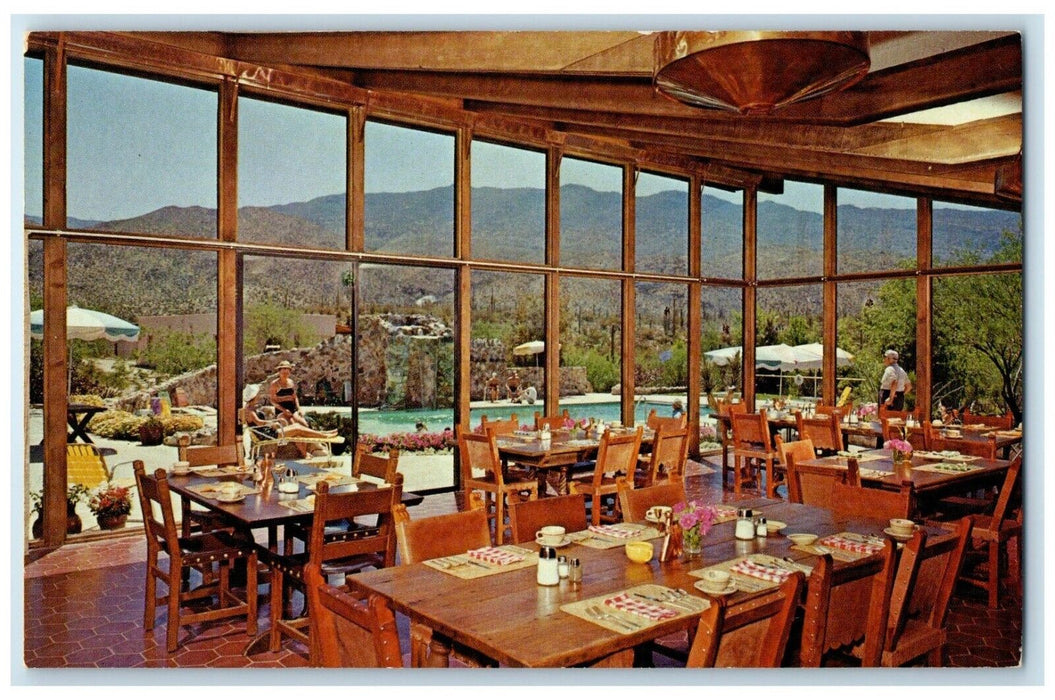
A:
(756, 72)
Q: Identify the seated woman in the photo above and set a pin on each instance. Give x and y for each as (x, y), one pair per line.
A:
(266, 422)
(283, 394)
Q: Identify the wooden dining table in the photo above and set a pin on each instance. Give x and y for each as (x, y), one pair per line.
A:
(929, 482)
(557, 456)
(511, 620)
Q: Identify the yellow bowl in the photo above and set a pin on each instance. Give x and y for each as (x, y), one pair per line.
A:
(639, 552)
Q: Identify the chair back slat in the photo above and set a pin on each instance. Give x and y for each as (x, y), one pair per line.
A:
(751, 431)
(670, 450)
(1004, 422)
(337, 508)
(155, 501)
(850, 499)
(202, 455)
(527, 517)
(822, 430)
(1009, 492)
(353, 633)
(499, 427)
(755, 636)
(554, 422)
(377, 466)
(635, 502)
(655, 421)
(802, 483)
(617, 453)
(440, 535)
(479, 451)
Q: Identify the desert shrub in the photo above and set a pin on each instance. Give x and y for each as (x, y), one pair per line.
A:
(122, 425)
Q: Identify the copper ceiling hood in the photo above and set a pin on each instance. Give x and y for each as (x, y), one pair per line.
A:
(756, 72)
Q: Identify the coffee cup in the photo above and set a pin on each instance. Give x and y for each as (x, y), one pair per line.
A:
(901, 526)
(181, 468)
(551, 535)
(715, 579)
(657, 513)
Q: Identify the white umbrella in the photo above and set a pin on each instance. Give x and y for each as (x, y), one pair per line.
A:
(86, 324)
(767, 356)
(811, 356)
(532, 347)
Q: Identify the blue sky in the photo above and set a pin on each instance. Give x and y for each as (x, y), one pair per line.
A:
(137, 145)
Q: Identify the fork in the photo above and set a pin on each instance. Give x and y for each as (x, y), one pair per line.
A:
(598, 614)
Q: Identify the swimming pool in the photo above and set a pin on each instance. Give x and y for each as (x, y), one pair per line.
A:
(385, 422)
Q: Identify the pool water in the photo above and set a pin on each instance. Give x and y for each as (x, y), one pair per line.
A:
(385, 422)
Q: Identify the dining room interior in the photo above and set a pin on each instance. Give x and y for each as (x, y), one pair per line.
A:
(479, 350)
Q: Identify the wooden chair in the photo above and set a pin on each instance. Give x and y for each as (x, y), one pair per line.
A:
(849, 499)
(430, 538)
(635, 502)
(809, 485)
(832, 619)
(480, 452)
(990, 532)
(751, 635)
(500, 427)
(194, 518)
(828, 409)
(1004, 422)
(908, 622)
(376, 466)
(725, 432)
(822, 430)
(666, 462)
(328, 556)
(554, 422)
(752, 444)
(655, 421)
(353, 633)
(527, 517)
(616, 456)
(212, 553)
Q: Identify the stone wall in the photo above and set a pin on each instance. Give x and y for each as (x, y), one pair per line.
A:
(405, 361)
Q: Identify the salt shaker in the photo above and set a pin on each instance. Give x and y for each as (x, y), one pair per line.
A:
(575, 571)
(745, 524)
(562, 566)
(548, 574)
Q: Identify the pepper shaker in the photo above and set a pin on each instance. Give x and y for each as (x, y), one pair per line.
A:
(760, 527)
(575, 571)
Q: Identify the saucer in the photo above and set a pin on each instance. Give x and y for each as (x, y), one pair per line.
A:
(730, 588)
(900, 538)
(224, 498)
(563, 543)
(653, 520)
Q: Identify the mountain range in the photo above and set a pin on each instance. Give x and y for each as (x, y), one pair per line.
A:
(507, 225)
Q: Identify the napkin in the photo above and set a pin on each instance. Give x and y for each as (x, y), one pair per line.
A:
(622, 532)
(494, 555)
(626, 603)
(851, 545)
(766, 573)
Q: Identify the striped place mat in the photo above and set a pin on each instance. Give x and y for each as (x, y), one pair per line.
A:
(637, 608)
(595, 540)
(465, 566)
(222, 487)
(947, 468)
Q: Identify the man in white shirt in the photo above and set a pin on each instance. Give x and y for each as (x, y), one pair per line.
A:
(894, 383)
(529, 395)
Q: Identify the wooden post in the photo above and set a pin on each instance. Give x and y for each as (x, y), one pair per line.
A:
(629, 362)
(750, 294)
(924, 307)
(551, 394)
(830, 293)
(228, 306)
(694, 312)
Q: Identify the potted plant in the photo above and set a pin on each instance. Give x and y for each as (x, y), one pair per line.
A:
(110, 504)
(151, 432)
(74, 494)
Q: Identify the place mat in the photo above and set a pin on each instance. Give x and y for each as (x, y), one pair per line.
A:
(313, 480)
(947, 456)
(595, 540)
(636, 608)
(1008, 433)
(215, 489)
(622, 531)
(947, 467)
(873, 473)
(851, 544)
(581, 443)
(216, 472)
(740, 568)
(860, 456)
(301, 505)
(467, 566)
(976, 427)
(496, 556)
(838, 553)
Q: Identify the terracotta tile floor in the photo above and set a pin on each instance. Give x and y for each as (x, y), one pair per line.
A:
(84, 609)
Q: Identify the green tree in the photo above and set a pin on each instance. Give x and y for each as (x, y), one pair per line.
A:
(268, 323)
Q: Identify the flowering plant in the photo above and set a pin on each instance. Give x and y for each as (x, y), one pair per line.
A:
(110, 499)
(868, 409)
(900, 449)
(572, 423)
(695, 520)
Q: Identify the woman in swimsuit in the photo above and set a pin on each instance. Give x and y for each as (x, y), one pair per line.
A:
(262, 418)
(283, 395)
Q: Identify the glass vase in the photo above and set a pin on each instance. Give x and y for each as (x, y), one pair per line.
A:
(692, 541)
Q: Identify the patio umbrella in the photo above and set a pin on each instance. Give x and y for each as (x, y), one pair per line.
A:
(780, 356)
(532, 347)
(86, 324)
(811, 355)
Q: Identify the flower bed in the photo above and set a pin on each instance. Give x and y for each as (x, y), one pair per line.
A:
(424, 442)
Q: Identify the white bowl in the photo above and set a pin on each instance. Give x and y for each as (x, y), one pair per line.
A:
(802, 538)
